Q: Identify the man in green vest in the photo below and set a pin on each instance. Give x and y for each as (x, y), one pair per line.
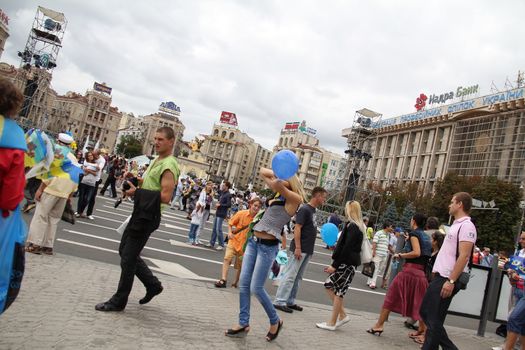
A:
(151, 197)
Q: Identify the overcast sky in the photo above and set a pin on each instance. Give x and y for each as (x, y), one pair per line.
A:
(272, 62)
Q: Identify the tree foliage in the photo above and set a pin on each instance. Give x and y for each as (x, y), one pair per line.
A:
(390, 215)
(129, 146)
(496, 228)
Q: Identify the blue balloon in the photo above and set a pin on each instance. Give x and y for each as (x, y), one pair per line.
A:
(285, 164)
(329, 234)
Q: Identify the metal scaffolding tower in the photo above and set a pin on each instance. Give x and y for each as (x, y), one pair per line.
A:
(37, 61)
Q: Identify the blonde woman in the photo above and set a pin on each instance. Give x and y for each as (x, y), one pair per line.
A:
(346, 258)
(261, 250)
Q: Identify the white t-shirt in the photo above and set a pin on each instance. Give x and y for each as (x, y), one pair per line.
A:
(89, 179)
(101, 162)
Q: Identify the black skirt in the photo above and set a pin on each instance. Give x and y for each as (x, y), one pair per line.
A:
(340, 280)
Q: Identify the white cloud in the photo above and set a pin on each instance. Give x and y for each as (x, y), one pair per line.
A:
(272, 61)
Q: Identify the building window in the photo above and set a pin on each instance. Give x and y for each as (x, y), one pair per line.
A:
(232, 135)
(216, 132)
(223, 134)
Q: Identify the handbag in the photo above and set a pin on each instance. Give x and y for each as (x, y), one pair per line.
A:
(68, 215)
(366, 251)
(368, 269)
(464, 277)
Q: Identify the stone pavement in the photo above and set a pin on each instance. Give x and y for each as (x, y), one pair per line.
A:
(55, 310)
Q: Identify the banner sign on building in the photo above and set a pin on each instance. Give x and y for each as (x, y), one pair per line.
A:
(102, 88)
(480, 102)
(228, 118)
(301, 126)
(170, 108)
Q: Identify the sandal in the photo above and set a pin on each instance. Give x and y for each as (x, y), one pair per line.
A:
(47, 251)
(410, 326)
(419, 340)
(237, 333)
(272, 336)
(220, 283)
(235, 285)
(414, 335)
(31, 248)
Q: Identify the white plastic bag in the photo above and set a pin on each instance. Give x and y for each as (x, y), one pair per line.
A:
(122, 226)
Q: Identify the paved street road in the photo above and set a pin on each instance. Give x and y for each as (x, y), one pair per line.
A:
(168, 252)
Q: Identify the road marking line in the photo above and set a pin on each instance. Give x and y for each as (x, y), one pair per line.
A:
(109, 239)
(156, 250)
(352, 288)
(186, 245)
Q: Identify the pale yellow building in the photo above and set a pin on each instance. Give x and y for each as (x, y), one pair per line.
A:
(89, 115)
(234, 156)
(332, 171)
(4, 30)
(301, 140)
(164, 117)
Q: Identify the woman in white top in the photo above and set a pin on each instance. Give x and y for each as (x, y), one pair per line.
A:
(87, 187)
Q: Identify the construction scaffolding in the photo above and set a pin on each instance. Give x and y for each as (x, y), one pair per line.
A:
(37, 61)
(361, 139)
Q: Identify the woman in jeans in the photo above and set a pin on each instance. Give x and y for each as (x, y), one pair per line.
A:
(346, 257)
(86, 187)
(261, 250)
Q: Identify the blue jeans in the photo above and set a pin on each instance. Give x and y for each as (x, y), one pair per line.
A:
(516, 322)
(256, 263)
(85, 192)
(293, 274)
(217, 232)
(192, 235)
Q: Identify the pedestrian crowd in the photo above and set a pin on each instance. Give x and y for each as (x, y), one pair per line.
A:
(421, 267)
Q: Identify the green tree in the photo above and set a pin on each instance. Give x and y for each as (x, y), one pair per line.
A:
(408, 213)
(496, 228)
(129, 146)
(390, 214)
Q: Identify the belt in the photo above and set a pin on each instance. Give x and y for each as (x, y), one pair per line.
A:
(269, 242)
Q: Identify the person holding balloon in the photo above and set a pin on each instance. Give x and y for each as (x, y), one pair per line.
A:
(302, 248)
(263, 240)
(346, 257)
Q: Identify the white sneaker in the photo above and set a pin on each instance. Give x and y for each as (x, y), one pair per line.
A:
(208, 245)
(91, 217)
(323, 325)
(220, 248)
(339, 323)
(77, 215)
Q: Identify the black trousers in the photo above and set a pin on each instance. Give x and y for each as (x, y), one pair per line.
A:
(434, 311)
(110, 181)
(133, 241)
(91, 203)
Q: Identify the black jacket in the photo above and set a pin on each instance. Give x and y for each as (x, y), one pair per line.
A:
(146, 212)
(348, 249)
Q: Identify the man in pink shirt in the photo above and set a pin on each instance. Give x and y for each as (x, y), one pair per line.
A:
(450, 263)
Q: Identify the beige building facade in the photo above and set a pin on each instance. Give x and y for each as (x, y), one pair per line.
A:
(301, 140)
(234, 156)
(332, 171)
(156, 120)
(4, 30)
(483, 136)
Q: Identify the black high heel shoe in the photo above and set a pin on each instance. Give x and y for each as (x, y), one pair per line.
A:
(272, 336)
(237, 333)
(374, 331)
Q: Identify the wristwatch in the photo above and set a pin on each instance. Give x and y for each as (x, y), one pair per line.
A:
(451, 281)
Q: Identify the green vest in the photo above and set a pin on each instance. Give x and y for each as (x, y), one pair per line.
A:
(155, 170)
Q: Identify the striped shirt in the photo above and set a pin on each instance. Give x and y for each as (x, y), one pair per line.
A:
(382, 241)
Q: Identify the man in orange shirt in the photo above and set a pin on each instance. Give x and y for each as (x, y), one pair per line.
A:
(238, 228)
